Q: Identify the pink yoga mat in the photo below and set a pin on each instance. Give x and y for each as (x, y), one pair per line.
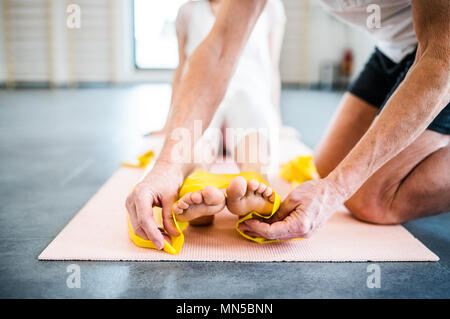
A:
(99, 232)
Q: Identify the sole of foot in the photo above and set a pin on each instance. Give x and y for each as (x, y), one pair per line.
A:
(245, 197)
(200, 206)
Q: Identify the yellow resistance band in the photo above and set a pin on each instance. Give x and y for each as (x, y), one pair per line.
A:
(141, 162)
(298, 170)
(194, 182)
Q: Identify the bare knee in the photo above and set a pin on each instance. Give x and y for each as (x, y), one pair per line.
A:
(372, 208)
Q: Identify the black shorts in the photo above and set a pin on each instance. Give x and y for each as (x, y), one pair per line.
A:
(381, 77)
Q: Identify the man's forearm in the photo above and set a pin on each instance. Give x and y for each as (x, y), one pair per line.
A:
(418, 100)
(209, 70)
(176, 82)
(197, 97)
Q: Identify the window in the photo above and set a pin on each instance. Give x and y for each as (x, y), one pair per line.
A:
(155, 38)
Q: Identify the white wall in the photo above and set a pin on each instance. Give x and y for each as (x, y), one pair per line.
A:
(102, 50)
(126, 70)
(43, 49)
(313, 37)
(295, 50)
(2, 50)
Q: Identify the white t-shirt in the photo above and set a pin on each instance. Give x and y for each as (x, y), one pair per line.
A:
(395, 36)
(253, 73)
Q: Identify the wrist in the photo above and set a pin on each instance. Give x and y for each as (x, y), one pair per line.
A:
(337, 184)
(166, 171)
(176, 168)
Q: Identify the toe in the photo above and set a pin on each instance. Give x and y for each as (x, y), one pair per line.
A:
(182, 204)
(177, 209)
(237, 188)
(187, 199)
(212, 196)
(261, 188)
(267, 192)
(197, 197)
(253, 185)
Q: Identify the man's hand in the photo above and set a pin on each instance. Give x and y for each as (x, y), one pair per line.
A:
(159, 188)
(304, 210)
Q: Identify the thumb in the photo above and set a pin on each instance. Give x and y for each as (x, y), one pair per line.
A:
(286, 207)
(167, 216)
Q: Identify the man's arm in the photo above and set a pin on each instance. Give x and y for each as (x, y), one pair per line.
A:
(198, 95)
(417, 101)
(181, 23)
(210, 68)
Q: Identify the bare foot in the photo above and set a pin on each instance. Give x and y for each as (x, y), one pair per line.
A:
(245, 197)
(199, 205)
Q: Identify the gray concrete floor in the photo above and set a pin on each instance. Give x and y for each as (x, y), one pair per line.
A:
(58, 147)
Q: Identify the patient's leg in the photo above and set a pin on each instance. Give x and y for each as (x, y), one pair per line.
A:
(252, 153)
(199, 208)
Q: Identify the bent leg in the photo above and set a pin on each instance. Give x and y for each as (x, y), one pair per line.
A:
(351, 121)
(252, 153)
(253, 140)
(414, 184)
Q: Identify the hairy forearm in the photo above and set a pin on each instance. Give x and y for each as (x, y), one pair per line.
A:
(176, 81)
(210, 67)
(418, 100)
(197, 95)
(203, 86)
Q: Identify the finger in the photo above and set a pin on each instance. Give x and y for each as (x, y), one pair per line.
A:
(131, 209)
(270, 231)
(167, 216)
(166, 236)
(141, 233)
(144, 212)
(243, 227)
(286, 207)
(253, 234)
(256, 227)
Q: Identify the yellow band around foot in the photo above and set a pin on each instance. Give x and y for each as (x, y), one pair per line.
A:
(194, 182)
